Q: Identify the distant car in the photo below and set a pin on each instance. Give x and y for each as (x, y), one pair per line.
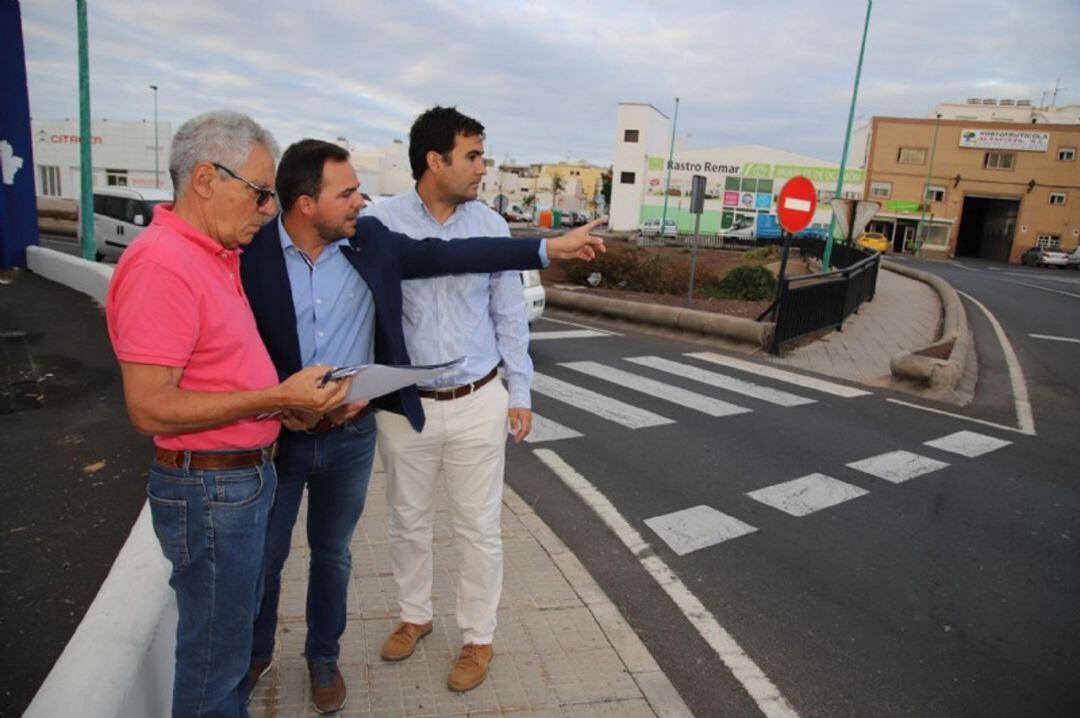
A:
(516, 214)
(535, 296)
(569, 218)
(1042, 257)
(120, 214)
(651, 227)
(875, 241)
(1074, 258)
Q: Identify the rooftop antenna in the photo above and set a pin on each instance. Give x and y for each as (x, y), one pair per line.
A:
(1057, 88)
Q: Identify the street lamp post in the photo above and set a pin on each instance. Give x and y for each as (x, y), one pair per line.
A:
(671, 155)
(157, 148)
(847, 138)
(920, 231)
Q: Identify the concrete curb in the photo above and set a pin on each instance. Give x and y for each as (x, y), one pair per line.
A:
(91, 278)
(654, 684)
(737, 328)
(936, 373)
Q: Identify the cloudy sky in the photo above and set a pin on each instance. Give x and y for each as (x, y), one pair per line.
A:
(545, 77)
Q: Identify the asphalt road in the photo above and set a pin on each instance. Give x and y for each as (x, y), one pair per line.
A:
(952, 593)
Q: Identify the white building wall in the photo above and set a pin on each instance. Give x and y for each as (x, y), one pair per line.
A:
(653, 130)
(124, 146)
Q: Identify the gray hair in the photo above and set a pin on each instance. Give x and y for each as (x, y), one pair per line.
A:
(221, 136)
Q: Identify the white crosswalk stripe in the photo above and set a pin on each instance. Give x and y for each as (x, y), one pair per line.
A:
(568, 334)
(807, 382)
(968, 443)
(660, 390)
(739, 386)
(696, 528)
(605, 407)
(808, 494)
(544, 429)
(897, 466)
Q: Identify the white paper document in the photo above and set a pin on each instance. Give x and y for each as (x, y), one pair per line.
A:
(373, 380)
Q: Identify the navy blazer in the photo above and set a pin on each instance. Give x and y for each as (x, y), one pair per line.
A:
(383, 258)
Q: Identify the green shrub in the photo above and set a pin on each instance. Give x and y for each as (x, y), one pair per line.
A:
(750, 282)
(632, 268)
(770, 251)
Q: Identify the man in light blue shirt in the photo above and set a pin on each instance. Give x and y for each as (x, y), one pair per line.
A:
(480, 317)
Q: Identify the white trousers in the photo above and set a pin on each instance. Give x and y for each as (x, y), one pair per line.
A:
(464, 442)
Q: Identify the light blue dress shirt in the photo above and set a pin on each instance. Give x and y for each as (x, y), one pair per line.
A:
(478, 316)
(335, 312)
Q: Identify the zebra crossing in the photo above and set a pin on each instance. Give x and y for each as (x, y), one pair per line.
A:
(635, 375)
(700, 527)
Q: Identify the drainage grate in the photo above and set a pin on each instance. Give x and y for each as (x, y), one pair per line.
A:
(20, 388)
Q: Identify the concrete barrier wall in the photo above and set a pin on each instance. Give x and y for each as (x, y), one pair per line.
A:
(119, 662)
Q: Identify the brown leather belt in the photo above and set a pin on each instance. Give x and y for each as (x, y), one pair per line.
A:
(326, 425)
(215, 459)
(457, 392)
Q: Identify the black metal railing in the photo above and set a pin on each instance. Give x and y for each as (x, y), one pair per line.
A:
(810, 303)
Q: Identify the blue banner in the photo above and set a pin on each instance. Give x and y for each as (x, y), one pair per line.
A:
(18, 207)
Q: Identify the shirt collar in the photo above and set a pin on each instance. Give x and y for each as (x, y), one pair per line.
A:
(164, 215)
(422, 210)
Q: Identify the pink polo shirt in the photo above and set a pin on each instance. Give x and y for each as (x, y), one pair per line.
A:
(176, 300)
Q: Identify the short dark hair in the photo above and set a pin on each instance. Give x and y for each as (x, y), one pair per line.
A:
(301, 169)
(436, 130)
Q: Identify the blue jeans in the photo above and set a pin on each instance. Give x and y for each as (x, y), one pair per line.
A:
(336, 468)
(212, 527)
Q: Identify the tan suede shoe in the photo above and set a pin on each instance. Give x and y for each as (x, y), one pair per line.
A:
(327, 686)
(401, 643)
(471, 668)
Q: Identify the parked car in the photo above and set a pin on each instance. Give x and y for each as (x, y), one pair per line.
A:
(875, 241)
(1074, 258)
(1042, 257)
(516, 214)
(120, 214)
(535, 296)
(651, 227)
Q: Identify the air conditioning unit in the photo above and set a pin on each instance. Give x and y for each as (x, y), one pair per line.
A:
(1023, 103)
(989, 101)
(1007, 103)
(974, 101)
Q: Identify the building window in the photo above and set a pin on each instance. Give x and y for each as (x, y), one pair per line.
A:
(1067, 153)
(935, 194)
(999, 160)
(630, 135)
(49, 180)
(881, 190)
(911, 156)
(1057, 198)
(116, 178)
(1048, 241)
(626, 178)
(825, 196)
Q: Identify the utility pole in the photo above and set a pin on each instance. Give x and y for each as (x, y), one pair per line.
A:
(86, 139)
(671, 154)
(847, 138)
(157, 147)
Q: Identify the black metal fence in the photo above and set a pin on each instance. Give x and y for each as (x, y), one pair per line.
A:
(810, 303)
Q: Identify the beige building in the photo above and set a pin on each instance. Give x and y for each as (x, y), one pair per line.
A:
(977, 188)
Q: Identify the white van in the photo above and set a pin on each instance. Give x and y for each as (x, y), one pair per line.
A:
(535, 296)
(120, 213)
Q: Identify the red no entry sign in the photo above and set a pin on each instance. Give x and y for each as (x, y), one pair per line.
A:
(796, 204)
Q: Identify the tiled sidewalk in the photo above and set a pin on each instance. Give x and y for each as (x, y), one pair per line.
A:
(904, 316)
(561, 647)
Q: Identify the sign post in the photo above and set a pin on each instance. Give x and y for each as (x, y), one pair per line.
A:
(795, 207)
(697, 206)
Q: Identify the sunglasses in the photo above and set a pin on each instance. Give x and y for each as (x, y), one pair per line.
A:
(262, 194)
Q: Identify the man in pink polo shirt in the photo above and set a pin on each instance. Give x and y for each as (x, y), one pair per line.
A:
(197, 376)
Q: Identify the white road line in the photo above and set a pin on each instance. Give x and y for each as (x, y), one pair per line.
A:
(808, 494)
(752, 678)
(567, 334)
(696, 528)
(688, 371)
(1045, 289)
(1044, 277)
(1025, 420)
(954, 263)
(972, 419)
(544, 429)
(605, 407)
(580, 326)
(667, 392)
(968, 443)
(790, 377)
(897, 466)
(1054, 339)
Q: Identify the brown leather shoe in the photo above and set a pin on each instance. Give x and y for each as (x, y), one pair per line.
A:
(401, 643)
(471, 668)
(257, 670)
(327, 686)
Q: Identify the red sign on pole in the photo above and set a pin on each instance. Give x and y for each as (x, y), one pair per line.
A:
(796, 204)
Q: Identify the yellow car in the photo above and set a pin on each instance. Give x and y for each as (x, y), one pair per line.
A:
(873, 240)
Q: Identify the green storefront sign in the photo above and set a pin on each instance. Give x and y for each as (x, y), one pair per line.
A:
(902, 205)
